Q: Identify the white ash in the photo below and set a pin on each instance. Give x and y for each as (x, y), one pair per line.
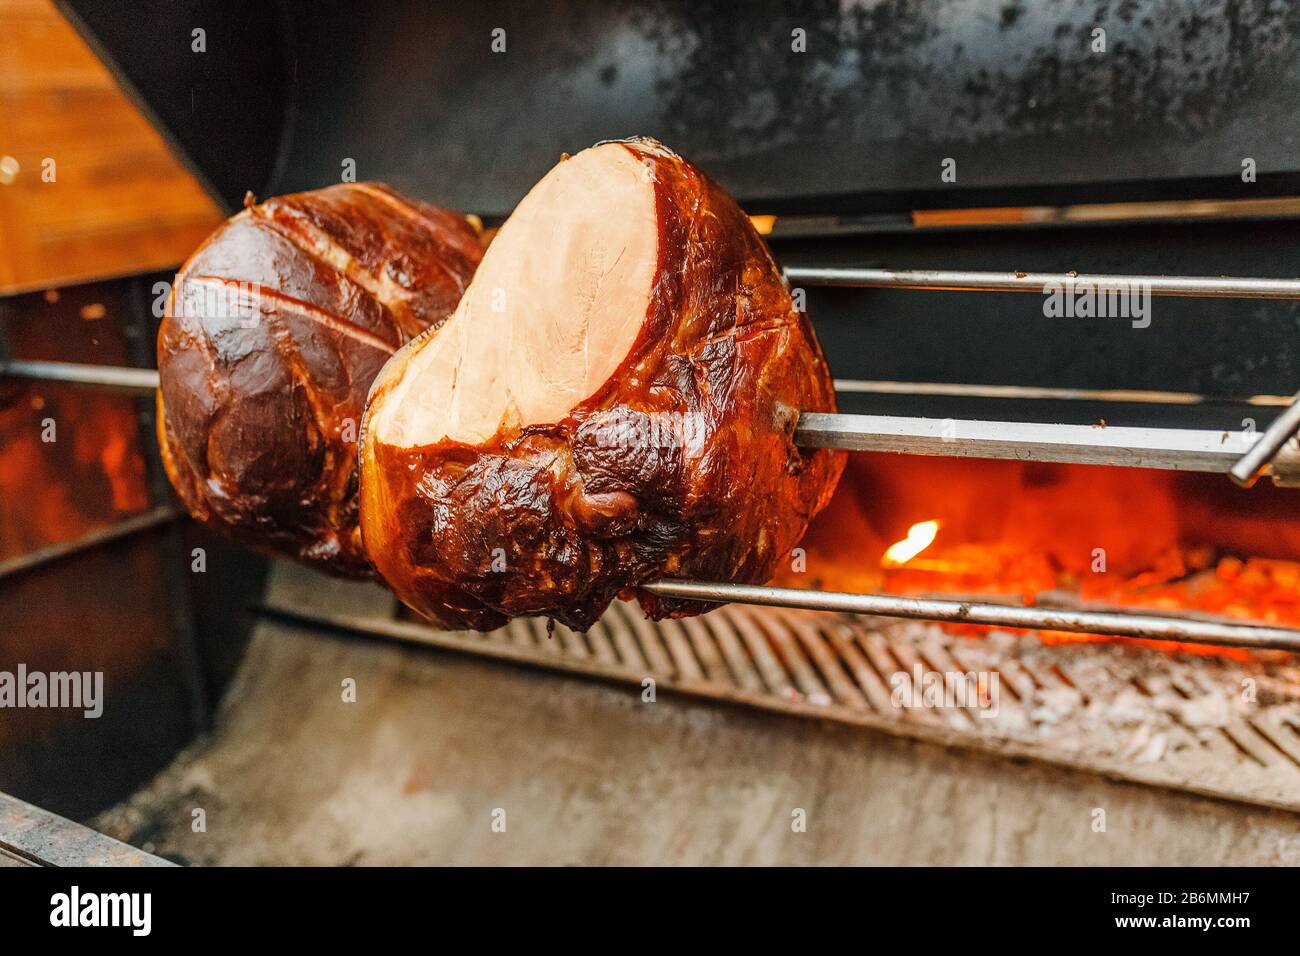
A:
(1114, 700)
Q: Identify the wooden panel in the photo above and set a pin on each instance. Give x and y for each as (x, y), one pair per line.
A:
(120, 202)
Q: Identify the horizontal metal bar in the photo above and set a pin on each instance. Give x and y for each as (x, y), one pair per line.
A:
(94, 539)
(1167, 448)
(146, 380)
(955, 280)
(1177, 449)
(1147, 626)
(109, 376)
(1039, 393)
(40, 838)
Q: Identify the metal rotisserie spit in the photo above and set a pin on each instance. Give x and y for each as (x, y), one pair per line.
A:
(1050, 255)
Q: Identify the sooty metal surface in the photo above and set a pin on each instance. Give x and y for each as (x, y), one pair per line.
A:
(1207, 725)
(846, 106)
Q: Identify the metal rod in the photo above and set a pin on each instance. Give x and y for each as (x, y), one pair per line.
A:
(965, 281)
(146, 380)
(1167, 448)
(1177, 449)
(143, 379)
(1038, 392)
(109, 376)
(94, 539)
(40, 838)
(1279, 432)
(1148, 626)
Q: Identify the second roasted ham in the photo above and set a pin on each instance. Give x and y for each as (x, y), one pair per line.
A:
(273, 332)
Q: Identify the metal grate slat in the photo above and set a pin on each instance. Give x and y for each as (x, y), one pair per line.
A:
(1126, 712)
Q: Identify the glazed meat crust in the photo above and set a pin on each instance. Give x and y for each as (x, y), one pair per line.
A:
(681, 465)
(273, 333)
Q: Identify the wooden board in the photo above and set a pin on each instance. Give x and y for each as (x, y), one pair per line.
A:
(120, 201)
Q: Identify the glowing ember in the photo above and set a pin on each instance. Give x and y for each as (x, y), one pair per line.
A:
(919, 537)
(62, 484)
(1070, 536)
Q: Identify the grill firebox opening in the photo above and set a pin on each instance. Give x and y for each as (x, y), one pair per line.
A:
(1046, 255)
(1054, 535)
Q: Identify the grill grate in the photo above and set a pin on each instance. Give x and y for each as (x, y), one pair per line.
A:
(1133, 713)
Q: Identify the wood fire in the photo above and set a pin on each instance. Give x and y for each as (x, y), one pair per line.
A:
(1061, 535)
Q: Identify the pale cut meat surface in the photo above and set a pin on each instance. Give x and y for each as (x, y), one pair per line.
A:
(612, 402)
(538, 334)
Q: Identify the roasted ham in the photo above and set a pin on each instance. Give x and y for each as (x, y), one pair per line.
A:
(612, 402)
(274, 330)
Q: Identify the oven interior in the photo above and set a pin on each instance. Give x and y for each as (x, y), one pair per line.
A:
(1068, 161)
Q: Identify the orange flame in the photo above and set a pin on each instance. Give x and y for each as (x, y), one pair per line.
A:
(919, 537)
(1028, 532)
